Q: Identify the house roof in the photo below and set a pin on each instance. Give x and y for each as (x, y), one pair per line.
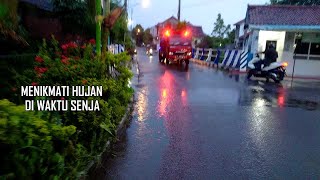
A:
(42, 4)
(170, 18)
(283, 15)
(197, 31)
(239, 22)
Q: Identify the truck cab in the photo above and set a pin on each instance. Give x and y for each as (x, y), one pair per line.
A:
(175, 46)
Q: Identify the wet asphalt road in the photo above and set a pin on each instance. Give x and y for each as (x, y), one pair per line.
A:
(201, 123)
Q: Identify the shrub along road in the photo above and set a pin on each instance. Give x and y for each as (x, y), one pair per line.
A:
(199, 123)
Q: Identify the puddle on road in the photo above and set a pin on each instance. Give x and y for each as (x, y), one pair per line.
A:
(140, 86)
(278, 96)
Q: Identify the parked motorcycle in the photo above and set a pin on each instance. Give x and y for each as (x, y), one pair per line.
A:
(276, 70)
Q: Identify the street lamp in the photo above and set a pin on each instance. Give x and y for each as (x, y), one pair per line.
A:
(144, 4)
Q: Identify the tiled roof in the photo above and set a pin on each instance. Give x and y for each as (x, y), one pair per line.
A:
(239, 22)
(197, 31)
(283, 15)
(42, 4)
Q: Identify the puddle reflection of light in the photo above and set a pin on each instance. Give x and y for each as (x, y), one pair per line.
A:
(281, 101)
(166, 84)
(142, 106)
(258, 103)
(188, 75)
(163, 102)
(183, 93)
(281, 97)
(164, 93)
(184, 97)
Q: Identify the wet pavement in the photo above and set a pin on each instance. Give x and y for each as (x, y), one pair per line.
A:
(202, 123)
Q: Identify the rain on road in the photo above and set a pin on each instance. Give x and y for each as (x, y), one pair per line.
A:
(201, 123)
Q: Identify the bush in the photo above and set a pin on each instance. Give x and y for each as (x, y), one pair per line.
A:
(32, 145)
(72, 64)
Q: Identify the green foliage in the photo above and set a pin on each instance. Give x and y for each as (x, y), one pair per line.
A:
(62, 143)
(147, 37)
(31, 144)
(295, 2)
(137, 34)
(181, 26)
(77, 16)
(119, 30)
(221, 35)
(220, 29)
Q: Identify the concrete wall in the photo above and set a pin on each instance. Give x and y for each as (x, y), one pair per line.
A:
(278, 36)
(241, 30)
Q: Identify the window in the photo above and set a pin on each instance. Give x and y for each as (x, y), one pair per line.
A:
(302, 47)
(315, 49)
(274, 43)
(308, 47)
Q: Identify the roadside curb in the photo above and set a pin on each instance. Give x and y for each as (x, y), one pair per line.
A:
(121, 126)
(237, 72)
(203, 63)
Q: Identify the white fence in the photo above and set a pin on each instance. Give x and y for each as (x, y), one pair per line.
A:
(116, 48)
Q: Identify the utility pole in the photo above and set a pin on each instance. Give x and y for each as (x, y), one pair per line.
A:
(105, 32)
(179, 7)
(126, 18)
(98, 27)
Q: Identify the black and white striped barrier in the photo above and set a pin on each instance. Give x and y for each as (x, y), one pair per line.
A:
(235, 60)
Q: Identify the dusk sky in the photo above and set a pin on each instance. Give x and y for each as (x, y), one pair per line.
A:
(198, 12)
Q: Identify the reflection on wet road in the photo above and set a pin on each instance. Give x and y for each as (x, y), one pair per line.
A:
(201, 123)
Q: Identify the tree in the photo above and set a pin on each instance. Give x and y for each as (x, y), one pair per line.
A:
(220, 29)
(10, 29)
(77, 16)
(231, 36)
(295, 2)
(147, 37)
(137, 33)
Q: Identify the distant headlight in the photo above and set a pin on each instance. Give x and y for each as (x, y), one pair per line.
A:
(170, 53)
(150, 50)
(189, 53)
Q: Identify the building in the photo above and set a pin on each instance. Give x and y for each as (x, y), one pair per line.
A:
(39, 19)
(294, 30)
(239, 34)
(197, 31)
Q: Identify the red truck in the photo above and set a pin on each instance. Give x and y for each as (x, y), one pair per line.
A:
(175, 46)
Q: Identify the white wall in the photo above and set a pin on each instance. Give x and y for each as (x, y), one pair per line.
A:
(241, 30)
(307, 68)
(278, 36)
